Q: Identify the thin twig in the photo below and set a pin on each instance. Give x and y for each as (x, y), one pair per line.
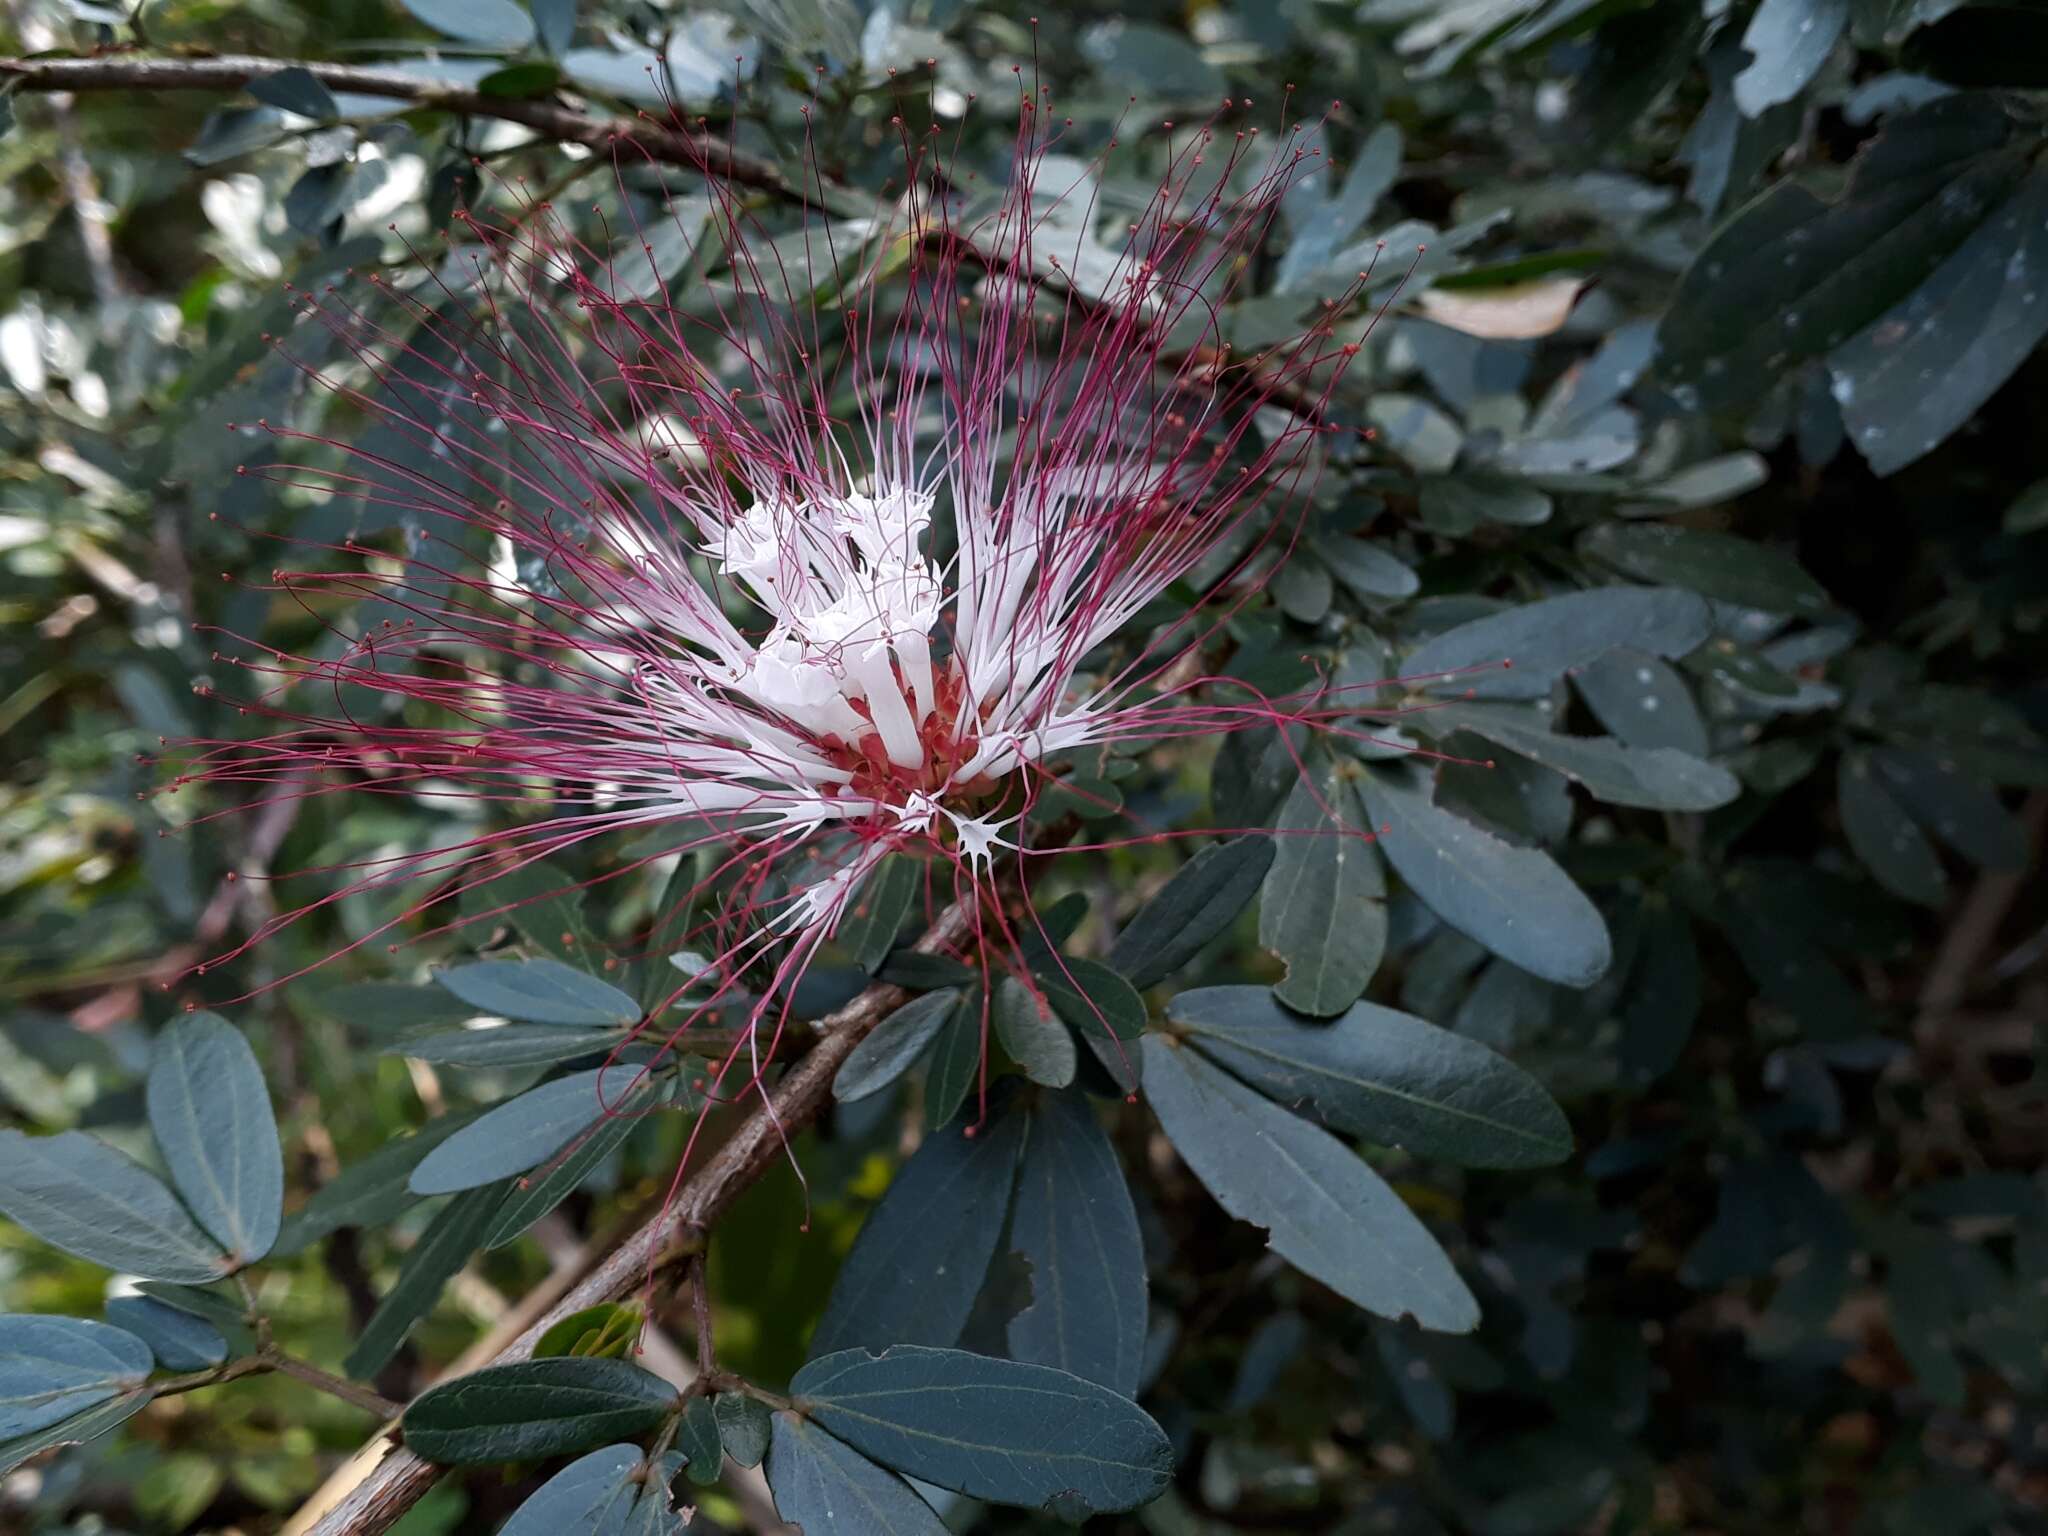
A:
(232, 72)
(401, 1479)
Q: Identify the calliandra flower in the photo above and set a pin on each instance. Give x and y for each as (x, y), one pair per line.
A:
(835, 548)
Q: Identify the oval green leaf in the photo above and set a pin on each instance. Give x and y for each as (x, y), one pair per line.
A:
(535, 1408)
(826, 1488)
(79, 1194)
(539, 991)
(526, 1131)
(52, 1368)
(180, 1341)
(1522, 652)
(893, 1046)
(992, 1429)
(210, 1112)
(1201, 900)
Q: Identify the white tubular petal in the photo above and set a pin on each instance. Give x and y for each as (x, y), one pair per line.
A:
(877, 678)
(914, 651)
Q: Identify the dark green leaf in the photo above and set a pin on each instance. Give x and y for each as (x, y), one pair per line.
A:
(295, 90)
(210, 1111)
(1326, 1212)
(915, 1269)
(743, 1426)
(893, 1046)
(699, 1440)
(1074, 1223)
(487, 23)
(533, 1197)
(1716, 565)
(1643, 701)
(52, 1368)
(1921, 369)
(1092, 997)
(526, 1131)
(1788, 42)
(1663, 1000)
(1515, 901)
(180, 1341)
(590, 1497)
(451, 1237)
(508, 1045)
(235, 131)
(1522, 652)
(1198, 903)
(369, 1193)
(1885, 837)
(1386, 1076)
(539, 992)
(868, 931)
(1790, 277)
(1035, 1038)
(535, 78)
(84, 1197)
(955, 1064)
(827, 1488)
(1962, 811)
(1657, 778)
(992, 1429)
(1321, 909)
(77, 1429)
(533, 1409)
(540, 899)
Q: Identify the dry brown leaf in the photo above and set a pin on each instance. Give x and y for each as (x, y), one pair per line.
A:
(1515, 312)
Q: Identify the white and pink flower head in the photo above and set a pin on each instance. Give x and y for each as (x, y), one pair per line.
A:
(827, 548)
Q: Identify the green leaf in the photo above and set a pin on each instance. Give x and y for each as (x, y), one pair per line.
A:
(451, 1237)
(228, 1317)
(1326, 1212)
(1788, 42)
(77, 1429)
(591, 1495)
(542, 900)
(915, 1269)
(488, 23)
(1199, 902)
(80, 1195)
(54, 1367)
(210, 1112)
(743, 1427)
(1643, 701)
(1921, 370)
(369, 1193)
(1074, 1223)
(1386, 1076)
(1035, 1038)
(1092, 997)
(533, 1197)
(1515, 901)
(295, 90)
(1789, 277)
(178, 1340)
(1656, 778)
(1373, 575)
(826, 1488)
(992, 1429)
(1455, 505)
(699, 1440)
(235, 131)
(607, 1331)
(533, 1409)
(1322, 909)
(1522, 652)
(1716, 565)
(955, 1064)
(1663, 999)
(526, 1131)
(1962, 811)
(507, 1045)
(868, 931)
(1885, 838)
(893, 1046)
(555, 22)
(539, 992)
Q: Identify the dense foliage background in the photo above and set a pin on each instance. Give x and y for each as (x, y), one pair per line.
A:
(1721, 300)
